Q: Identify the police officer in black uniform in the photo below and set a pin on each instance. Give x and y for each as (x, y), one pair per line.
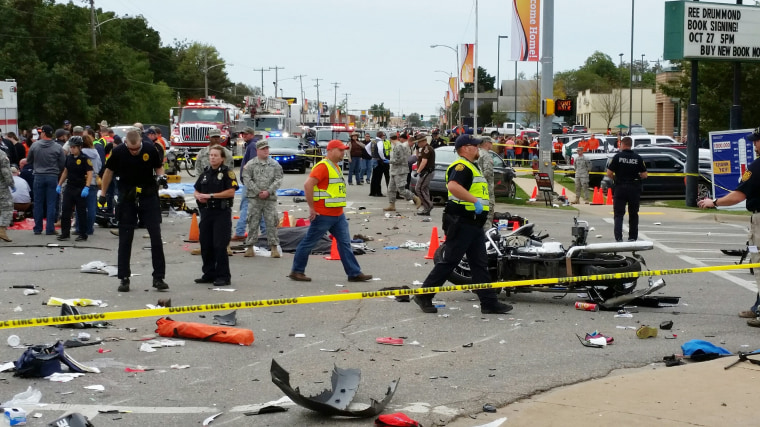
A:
(215, 192)
(436, 141)
(463, 217)
(77, 174)
(627, 169)
(749, 190)
(140, 169)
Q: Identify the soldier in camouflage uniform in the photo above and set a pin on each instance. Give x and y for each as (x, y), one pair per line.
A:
(201, 160)
(485, 164)
(399, 165)
(582, 168)
(262, 177)
(6, 198)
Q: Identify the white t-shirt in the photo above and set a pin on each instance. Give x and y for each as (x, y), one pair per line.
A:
(21, 194)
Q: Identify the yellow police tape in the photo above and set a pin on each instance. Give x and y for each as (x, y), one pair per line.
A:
(133, 314)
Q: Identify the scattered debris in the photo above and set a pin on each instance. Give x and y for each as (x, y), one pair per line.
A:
(94, 387)
(489, 408)
(587, 343)
(270, 409)
(345, 383)
(74, 420)
(225, 334)
(389, 341)
(227, 319)
(666, 325)
(14, 341)
(29, 397)
(63, 377)
(43, 360)
(15, 416)
(79, 302)
(397, 419)
(179, 366)
(99, 267)
(646, 331)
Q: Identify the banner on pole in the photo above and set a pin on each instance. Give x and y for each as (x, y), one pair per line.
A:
(466, 71)
(526, 30)
(454, 89)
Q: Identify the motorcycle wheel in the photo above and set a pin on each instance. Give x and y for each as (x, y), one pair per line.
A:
(461, 274)
(613, 287)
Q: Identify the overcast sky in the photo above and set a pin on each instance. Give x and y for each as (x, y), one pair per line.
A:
(379, 51)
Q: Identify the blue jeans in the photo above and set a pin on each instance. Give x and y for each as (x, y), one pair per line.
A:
(367, 166)
(338, 227)
(45, 195)
(242, 223)
(354, 169)
(92, 206)
(511, 157)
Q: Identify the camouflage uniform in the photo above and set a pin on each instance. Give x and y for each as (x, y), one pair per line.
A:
(201, 160)
(485, 164)
(582, 169)
(399, 165)
(260, 175)
(6, 198)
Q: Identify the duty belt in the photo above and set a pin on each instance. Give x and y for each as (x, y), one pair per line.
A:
(220, 204)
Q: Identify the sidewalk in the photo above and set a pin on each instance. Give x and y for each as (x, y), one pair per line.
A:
(695, 394)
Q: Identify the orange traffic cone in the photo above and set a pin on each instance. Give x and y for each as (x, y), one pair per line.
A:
(285, 220)
(334, 254)
(515, 225)
(194, 231)
(535, 193)
(609, 196)
(433, 244)
(598, 197)
(563, 193)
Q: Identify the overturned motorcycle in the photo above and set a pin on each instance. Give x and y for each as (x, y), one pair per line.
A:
(523, 255)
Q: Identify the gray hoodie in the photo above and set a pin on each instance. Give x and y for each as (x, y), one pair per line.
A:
(46, 157)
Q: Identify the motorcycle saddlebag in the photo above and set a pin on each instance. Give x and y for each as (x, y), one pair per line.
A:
(200, 331)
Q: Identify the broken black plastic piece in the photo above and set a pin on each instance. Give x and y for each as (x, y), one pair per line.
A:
(345, 383)
(228, 319)
(271, 409)
(489, 408)
(666, 325)
(72, 420)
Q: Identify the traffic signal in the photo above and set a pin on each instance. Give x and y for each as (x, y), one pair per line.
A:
(547, 107)
(403, 117)
(422, 117)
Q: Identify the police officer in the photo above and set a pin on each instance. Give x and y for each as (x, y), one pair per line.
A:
(140, 169)
(436, 141)
(77, 174)
(485, 163)
(463, 218)
(627, 169)
(262, 177)
(381, 152)
(215, 192)
(749, 190)
(202, 161)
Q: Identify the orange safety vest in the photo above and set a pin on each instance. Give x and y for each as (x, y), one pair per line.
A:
(558, 147)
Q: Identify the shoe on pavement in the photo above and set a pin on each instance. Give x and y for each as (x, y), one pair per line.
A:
(596, 334)
(275, 252)
(390, 208)
(645, 331)
(63, 237)
(81, 238)
(423, 213)
(299, 277)
(249, 252)
(124, 285)
(426, 303)
(755, 323)
(361, 277)
(196, 251)
(204, 280)
(160, 285)
(114, 232)
(222, 282)
(238, 238)
(496, 308)
(747, 314)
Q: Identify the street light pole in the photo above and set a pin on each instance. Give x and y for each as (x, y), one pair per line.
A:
(641, 91)
(630, 72)
(205, 73)
(459, 76)
(620, 93)
(262, 69)
(498, 66)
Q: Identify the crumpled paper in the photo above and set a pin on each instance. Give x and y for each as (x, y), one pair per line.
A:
(99, 267)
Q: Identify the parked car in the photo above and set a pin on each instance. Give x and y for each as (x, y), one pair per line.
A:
(504, 185)
(324, 136)
(637, 129)
(579, 129)
(288, 152)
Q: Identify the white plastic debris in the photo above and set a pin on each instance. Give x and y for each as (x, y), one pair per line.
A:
(147, 348)
(99, 267)
(96, 387)
(63, 377)
(31, 396)
(31, 292)
(179, 366)
(657, 223)
(300, 335)
(626, 315)
(225, 289)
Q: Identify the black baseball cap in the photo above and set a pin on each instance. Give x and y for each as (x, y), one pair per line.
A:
(754, 136)
(47, 130)
(465, 139)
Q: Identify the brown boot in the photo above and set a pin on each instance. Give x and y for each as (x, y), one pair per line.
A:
(229, 250)
(390, 208)
(4, 234)
(417, 202)
(196, 251)
(249, 252)
(275, 252)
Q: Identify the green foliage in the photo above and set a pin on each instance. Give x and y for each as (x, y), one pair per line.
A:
(129, 76)
(485, 82)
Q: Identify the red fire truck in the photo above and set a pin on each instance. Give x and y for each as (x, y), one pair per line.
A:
(191, 123)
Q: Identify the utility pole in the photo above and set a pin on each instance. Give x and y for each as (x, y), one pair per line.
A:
(319, 105)
(205, 75)
(92, 23)
(303, 103)
(262, 69)
(275, 68)
(347, 119)
(335, 100)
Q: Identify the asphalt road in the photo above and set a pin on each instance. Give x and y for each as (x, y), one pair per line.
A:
(442, 378)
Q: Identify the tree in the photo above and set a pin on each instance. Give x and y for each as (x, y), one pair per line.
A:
(485, 83)
(414, 120)
(485, 112)
(531, 106)
(381, 114)
(609, 106)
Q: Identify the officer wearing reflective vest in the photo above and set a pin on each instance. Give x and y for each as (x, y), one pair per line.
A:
(326, 195)
(463, 218)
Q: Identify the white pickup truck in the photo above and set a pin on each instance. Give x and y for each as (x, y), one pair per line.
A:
(505, 129)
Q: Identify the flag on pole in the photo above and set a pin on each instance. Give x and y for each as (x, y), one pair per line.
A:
(526, 30)
(467, 53)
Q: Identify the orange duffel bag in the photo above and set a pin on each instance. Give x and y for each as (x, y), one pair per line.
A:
(173, 329)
